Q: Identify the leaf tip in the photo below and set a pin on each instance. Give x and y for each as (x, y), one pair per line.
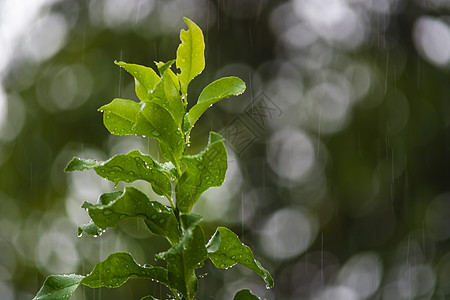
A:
(187, 20)
(191, 24)
(119, 63)
(72, 165)
(215, 137)
(86, 205)
(242, 87)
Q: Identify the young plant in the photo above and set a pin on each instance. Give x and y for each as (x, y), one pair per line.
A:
(161, 114)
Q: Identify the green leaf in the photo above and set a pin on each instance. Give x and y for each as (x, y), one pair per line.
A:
(213, 92)
(149, 298)
(127, 168)
(190, 54)
(186, 125)
(189, 221)
(108, 198)
(79, 164)
(118, 268)
(58, 287)
(245, 294)
(164, 66)
(225, 250)
(204, 170)
(184, 257)
(119, 116)
(171, 170)
(145, 78)
(90, 228)
(167, 94)
(116, 206)
(167, 153)
(154, 121)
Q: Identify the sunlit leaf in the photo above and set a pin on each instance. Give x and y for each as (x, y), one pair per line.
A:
(164, 66)
(204, 170)
(154, 121)
(127, 168)
(186, 124)
(118, 268)
(190, 54)
(225, 250)
(245, 294)
(58, 287)
(186, 256)
(215, 91)
(167, 94)
(119, 116)
(145, 78)
(116, 206)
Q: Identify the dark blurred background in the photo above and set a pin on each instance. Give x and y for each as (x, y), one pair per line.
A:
(338, 151)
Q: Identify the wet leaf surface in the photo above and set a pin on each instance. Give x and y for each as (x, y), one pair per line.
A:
(58, 287)
(214, 92)
(190, 54)
(127, 168)
(225, 250)
(116, 206)
(204, 170)
(118, 268)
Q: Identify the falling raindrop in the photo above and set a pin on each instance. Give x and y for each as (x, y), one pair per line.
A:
(386, 76)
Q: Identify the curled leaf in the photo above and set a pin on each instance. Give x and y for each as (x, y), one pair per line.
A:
(116, 206)
(225, 250)
(145, 78)
(90, 228)
(245, 294)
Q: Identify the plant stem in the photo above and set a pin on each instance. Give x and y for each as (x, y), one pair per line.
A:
(172, 204)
